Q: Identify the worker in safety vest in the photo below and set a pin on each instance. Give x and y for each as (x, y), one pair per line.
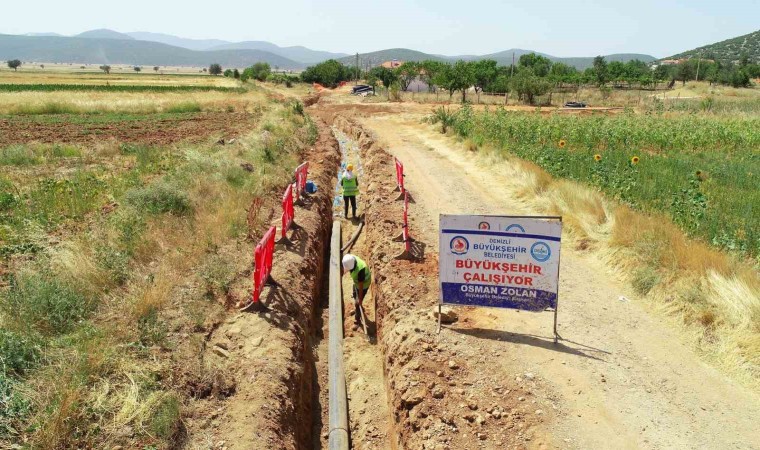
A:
(362, 279)
(350, 185)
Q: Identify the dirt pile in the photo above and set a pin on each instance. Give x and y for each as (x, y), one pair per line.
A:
(265, 357)
(440, 400)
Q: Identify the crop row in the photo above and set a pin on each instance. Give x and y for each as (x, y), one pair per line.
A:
(113, 88)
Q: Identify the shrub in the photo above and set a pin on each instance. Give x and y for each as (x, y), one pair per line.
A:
(45, 304)
(644, 280)
(186, 107)
(18, 353)
(151, 329)
(298, 107)
(13, 407)
(165, 422)
(443, 116)
(18, 155)
(217, 274)
(160, 197)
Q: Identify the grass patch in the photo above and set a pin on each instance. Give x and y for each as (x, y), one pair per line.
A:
(186, 107)
(45, 304)
(18, 155)
(161, 197)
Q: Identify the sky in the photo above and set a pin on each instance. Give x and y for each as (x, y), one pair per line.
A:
(451, 27)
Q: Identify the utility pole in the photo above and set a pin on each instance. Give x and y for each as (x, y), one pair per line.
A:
(357, 69)
(512, 68)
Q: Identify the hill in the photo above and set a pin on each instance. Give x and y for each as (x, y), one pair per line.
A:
(380, 56)
(104, 33)
(168, 39)
(729, 50)
(43, 34)
(120, 51)
(296, 53)
(584, 62)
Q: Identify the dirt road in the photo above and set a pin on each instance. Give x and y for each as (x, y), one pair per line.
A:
(621, 377)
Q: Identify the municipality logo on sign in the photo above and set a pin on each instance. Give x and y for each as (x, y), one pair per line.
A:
(540, 251)
(484, 226)
(459, 245)
(515, 227)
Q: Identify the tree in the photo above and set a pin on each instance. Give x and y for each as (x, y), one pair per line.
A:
(137, 69)
(429, 69)
(384, 74)
(106, 68)
(406, 73)
(561, 72)
(328, 73)
(485, 72)
(228, 73)
(14, 64)
(599, 70)
(215, 69)
(236, 74)
(539, 64)
(528, 85)
(155, 68)
(458, 77)
(42, 66)
(685, 71)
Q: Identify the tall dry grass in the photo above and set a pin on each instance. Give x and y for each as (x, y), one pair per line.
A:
(713, 297)
(14, 103)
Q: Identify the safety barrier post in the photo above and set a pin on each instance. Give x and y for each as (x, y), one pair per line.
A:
(404, 236)
(399, 179)
(288, 215)
(302, 173)
(263, 257)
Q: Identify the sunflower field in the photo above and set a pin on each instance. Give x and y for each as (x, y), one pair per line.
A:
(703, 171)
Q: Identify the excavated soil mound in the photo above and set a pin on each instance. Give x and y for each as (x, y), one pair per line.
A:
(266, 354)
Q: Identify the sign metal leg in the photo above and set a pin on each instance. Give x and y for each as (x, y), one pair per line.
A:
(556, 335)
(439, 318)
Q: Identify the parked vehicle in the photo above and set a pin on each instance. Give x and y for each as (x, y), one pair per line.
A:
(361, 89)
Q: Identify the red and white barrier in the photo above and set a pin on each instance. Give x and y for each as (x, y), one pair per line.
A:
(302, 173)
(262, 260)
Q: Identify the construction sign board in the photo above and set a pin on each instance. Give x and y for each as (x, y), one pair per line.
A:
(500, 261)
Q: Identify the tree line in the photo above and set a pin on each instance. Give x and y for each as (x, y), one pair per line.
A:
(533, 75)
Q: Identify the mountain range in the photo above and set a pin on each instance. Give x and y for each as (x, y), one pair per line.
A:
(105, 46)
(503, 58)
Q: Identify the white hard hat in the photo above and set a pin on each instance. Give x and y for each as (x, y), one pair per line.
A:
(349, 261)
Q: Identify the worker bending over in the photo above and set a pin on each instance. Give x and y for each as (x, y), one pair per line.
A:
(362, 278)
(350, 185)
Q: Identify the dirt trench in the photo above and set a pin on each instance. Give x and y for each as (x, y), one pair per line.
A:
(268, 357)
(436, 400)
